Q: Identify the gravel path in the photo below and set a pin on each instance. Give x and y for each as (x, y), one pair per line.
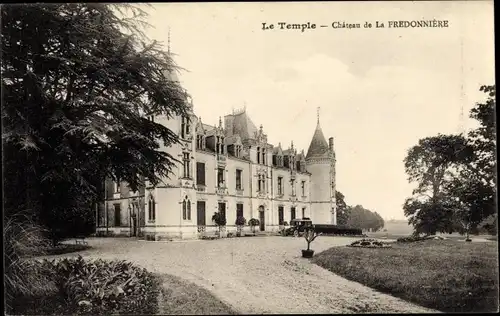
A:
(256, 274)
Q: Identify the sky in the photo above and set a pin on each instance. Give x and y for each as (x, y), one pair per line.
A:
(379, 90)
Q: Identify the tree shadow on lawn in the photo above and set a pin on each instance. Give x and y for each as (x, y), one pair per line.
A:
(445, 275)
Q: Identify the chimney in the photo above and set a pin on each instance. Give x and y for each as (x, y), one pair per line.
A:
(330, 143)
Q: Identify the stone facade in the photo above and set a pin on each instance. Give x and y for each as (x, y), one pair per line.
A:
(229, 168)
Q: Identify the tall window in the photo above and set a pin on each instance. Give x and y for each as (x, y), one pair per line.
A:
(303, 187)
(116, 187)
(200, 173)
(222, 209)
(220, 177)
(292, 213)
(185, 127)
(261, 183)
(258, 154)
(303, 212)
(238, 179)
(118, 214)
(199, 141)
(186, 164)
(281, 215)
(220, 145)
(239, 210)
(293, 186)
(186, 209)
(280, 185)
(263, 153)
(151, 209)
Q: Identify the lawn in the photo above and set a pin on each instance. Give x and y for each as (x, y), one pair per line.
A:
(446, 275)
(180, 297)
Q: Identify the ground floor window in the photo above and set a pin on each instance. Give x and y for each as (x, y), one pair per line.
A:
(292, 213)
(201, 218)
(281, 215)
(117, 215)
(222, 209)
(186, 209)
(303, 212)
(152, 209)
(239, 210)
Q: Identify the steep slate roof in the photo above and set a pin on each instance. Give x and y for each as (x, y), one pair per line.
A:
(319, 146)
(243, 126)
(207, 127)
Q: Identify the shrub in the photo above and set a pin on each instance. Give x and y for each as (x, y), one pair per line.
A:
(240, 221)
(21, 277)
(337, 230)
(253, 222)
(105, 287)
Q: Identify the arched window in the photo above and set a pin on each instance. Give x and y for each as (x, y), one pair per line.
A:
(186, 209)
(152, 209)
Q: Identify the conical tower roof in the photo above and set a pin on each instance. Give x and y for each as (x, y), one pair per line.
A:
(319, 146)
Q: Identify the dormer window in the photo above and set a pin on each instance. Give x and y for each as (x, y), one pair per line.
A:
(258, 155)
(237, 151)
(200, 142)
(263, 152)
(220, 145)
(286, 161)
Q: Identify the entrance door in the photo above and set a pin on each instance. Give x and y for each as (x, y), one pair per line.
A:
(200, 205)
(262, 218)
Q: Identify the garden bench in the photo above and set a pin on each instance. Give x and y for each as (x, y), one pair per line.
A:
(80, 240)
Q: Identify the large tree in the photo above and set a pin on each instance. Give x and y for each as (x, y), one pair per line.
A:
(474, 189)
(78, 81)
(431, 163)
(342, 209)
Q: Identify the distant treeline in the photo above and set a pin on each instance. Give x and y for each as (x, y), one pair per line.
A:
(357, 216)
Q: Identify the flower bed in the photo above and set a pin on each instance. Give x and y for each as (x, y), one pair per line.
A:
(369, 243)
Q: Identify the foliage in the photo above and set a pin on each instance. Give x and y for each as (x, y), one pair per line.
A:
(359, 217)
(456, 176)
(343, 211)
(369, 243)
(240, 221)
(22, 238)
(102, 287)
(253, 222)
(78, 81)
(219, 219)
(310, 235)
(337, 230)
(446, 275)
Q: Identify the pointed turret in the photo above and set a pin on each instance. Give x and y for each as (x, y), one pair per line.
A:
(319, 146)
(320, 163)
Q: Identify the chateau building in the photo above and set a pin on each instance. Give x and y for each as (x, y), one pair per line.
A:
(229, 168)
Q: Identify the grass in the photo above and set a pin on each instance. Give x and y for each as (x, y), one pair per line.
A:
(180, 297)
(446, 275)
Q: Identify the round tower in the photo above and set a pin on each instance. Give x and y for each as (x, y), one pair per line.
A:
(320, 162)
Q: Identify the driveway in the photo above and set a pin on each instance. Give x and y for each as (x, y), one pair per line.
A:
(256, 274)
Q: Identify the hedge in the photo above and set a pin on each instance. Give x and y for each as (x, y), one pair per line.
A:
(337, 230)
